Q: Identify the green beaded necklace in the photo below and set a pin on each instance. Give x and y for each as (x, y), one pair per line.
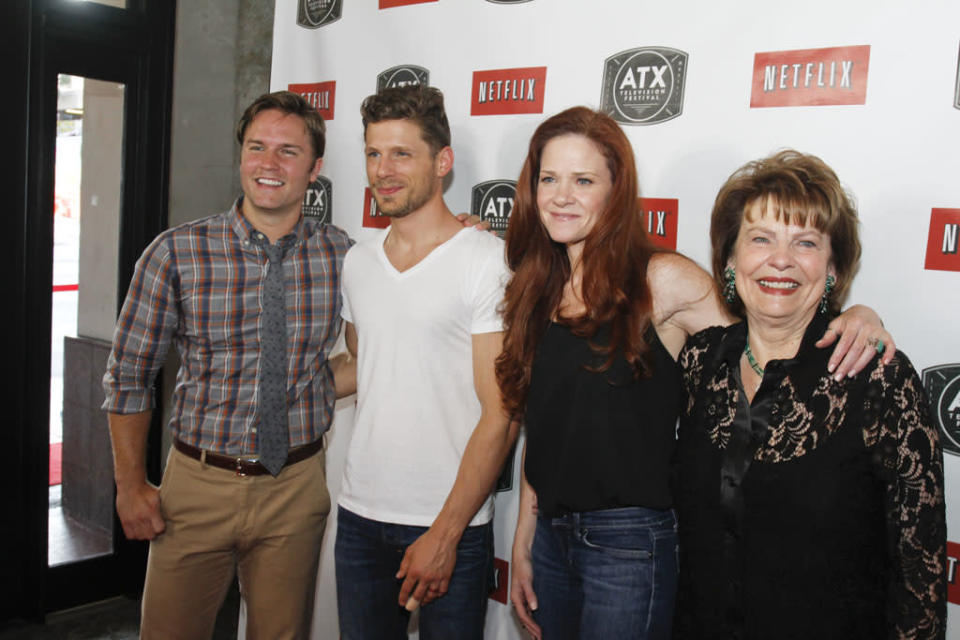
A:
(753, 361)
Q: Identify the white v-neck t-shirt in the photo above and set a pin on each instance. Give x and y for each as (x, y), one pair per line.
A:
(416, 401)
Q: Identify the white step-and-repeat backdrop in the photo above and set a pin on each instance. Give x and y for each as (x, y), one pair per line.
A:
(701, 87)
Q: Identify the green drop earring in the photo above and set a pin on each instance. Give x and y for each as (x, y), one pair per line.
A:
(729, 285)
(827, 290)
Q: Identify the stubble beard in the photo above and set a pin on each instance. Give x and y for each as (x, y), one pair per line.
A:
(415, 200)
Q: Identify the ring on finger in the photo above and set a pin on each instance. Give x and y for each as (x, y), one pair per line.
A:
(879, 345)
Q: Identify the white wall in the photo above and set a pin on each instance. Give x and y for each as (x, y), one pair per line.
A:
(896, 152)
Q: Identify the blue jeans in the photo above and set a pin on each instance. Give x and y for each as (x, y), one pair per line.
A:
(368, 555)
(606, 574)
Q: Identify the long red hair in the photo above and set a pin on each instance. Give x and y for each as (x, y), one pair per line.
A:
(614, 262)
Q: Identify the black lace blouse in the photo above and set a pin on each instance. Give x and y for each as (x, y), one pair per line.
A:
(817, 510)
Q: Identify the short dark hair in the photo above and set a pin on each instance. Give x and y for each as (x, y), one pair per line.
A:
(420, 103)
(802, 189)
(292, 104)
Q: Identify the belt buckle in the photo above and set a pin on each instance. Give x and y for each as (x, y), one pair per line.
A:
(239, 468)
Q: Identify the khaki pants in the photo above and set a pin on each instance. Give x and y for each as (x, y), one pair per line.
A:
(267, 529)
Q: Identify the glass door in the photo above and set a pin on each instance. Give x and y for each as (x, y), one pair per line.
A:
(86, 221)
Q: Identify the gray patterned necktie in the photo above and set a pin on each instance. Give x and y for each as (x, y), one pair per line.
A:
(274, 438)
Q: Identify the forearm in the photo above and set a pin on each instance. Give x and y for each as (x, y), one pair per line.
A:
(527, 514)
(128, 435)
(344, 367)
(479, 468)
(915, 507)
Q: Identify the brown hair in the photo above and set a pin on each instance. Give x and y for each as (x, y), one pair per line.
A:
(289, 103)
(801, 189)
(420, 103)
(615, 257)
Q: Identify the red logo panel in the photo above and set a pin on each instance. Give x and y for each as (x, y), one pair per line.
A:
(953, 587)
(504, 91)
(942, 243)
(319, 94)
(371, 213)
(388, 4)
(660, 220)
(501, 577)
(810, 77)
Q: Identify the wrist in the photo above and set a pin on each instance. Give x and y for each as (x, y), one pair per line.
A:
(448, 530)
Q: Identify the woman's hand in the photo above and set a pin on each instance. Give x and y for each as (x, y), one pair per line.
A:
(860, 333)
(521, 579)
(521, 591)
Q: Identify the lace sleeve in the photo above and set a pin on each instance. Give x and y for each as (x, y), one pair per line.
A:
(916, 520)
(691, 360)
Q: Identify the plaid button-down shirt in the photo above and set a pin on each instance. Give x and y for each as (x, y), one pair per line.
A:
(200, 285)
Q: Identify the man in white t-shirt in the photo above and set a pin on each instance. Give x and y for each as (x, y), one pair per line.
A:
(430, 437)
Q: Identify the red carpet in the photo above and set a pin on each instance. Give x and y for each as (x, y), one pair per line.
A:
(56, 457)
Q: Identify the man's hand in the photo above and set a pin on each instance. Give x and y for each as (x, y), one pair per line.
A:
(473, 220)
(860, 331)
(139, 511)
(426, 569)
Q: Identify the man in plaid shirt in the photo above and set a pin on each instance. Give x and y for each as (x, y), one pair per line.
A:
(201, 286)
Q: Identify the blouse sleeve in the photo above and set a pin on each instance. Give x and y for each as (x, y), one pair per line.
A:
(691, 361)
(916, 519)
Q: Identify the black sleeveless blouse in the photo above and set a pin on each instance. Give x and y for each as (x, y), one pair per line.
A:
(599, 440)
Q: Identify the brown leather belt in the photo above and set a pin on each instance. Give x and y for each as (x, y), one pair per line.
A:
(241, 466)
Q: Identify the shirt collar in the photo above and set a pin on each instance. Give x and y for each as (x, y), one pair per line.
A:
(304, 229)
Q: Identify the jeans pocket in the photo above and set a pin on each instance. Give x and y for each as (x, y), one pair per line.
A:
(626, 542)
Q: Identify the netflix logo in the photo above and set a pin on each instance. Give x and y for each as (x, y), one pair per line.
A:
(507, 91)
(501, 581)
(953, 587)
(810, 77)
(660, 220)
(371, 212)
(319, 94)
(942, 242)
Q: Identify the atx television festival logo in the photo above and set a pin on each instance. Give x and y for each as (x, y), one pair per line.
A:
(644, 86)
(660, 218)
(318, 199)
(942, 241)
(493, 201)
(402, 76)
(319, 94)
(956, 89)
(313, 14)
(942, 383)
(389, 4)
(810, 77)
(506, 91)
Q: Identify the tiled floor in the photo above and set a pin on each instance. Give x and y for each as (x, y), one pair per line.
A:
(115, 619)
(67, 539)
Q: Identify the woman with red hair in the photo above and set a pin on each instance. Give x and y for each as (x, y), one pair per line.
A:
(594, 318)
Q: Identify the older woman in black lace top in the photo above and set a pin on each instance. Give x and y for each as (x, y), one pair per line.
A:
(808, 507)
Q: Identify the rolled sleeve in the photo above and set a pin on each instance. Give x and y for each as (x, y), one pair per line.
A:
(143, 333)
